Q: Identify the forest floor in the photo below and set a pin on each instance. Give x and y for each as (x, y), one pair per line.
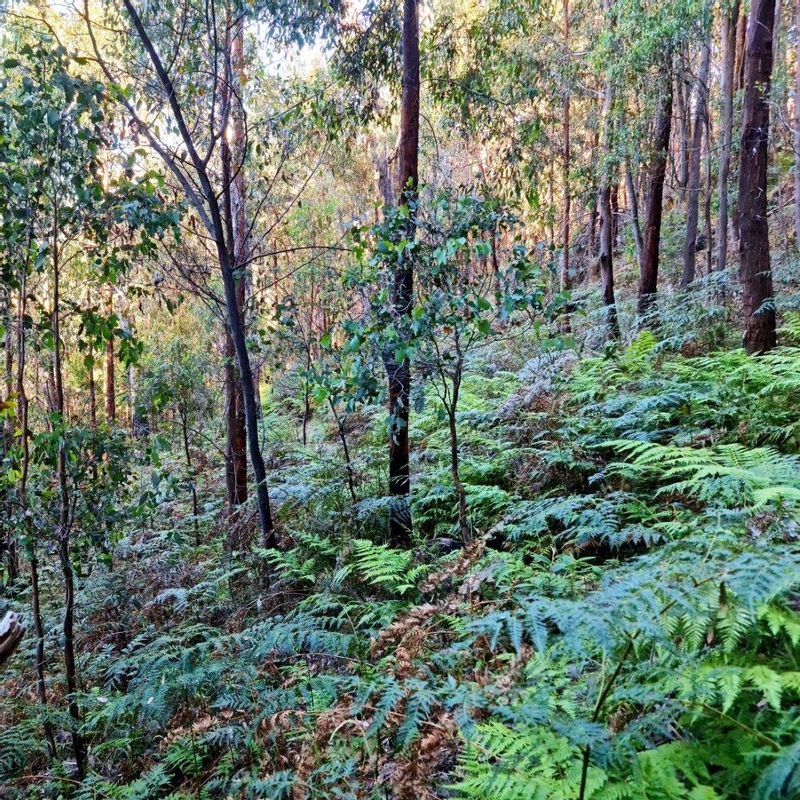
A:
(624, 622)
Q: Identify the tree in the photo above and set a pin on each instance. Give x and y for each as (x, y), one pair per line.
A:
(566, 166)
(397, 365)
(693, 182)
(796, 136)
(648, 279)
(233, 155)
(604, 199)
(730, 16)
(203, 188)
(110, 385)
(755, 270)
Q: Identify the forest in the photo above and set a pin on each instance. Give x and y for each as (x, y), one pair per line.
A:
(400, 399)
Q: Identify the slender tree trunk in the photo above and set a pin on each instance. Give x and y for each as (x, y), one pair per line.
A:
(210, 211)
(648, 279)
(616, 238)
(232, 155)
(551, 216)
(451, 408)
(607, 258)
(131, 376)
(796, 135)
(111, 400)
(755, 270)
(187, 454)
(741, 36)
(22, 421)
(236, 431)
(693, 184)
(604, 203)
(92, 391)
(348, 462)
(64, 520)
(707, 204)
(630, 186)
(591, 246)
(9, 540)
(728, 36)
(741, 42)
(399, 374)
(565, 157)
(683, 117)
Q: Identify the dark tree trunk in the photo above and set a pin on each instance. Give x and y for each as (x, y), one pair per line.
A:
(615, 226)
(64, 519)
(591, 247)
(755, 270)
(567, 197)
(728, 36)
(693, 183)
(348, 461)
(607, 258)
(648, 279)
(399, 374)
(111, 400)
(458, 485)
(209, 210)
(607, 223)
(709, 192)
(236, 228)
(797, 133)
(236, 429)
(604, 203)
(7, 539)
(30, 535)
(92, 392)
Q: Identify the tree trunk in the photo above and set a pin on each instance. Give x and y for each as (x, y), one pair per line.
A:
(683, 116)
(709, 192)
(633, 199)
(348, 462)
(648, 279)
(461, 495)
(22, 422)
(209, 210)
(399, 374)
(92, 391)
(693, 184)
(604, 204)
(237, 235)
(190, 470)
(615, 215)
(567, 198)
(236, 430)
(728, 36)
(755, 270)
(741, 40)
(607, 258)
(8, 541)
(111, 400)
(797, 133)
(64, 520)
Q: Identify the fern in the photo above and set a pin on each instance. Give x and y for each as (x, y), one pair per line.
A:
(730, 474)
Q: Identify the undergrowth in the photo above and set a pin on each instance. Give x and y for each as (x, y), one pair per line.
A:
(624, 623)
